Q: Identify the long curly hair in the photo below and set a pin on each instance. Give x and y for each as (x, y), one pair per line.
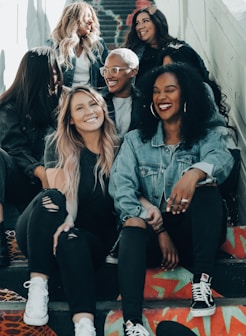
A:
(65, 37)
(36, 88)
(196, 106)
(69, 142)
(158, 18)
(185, 54)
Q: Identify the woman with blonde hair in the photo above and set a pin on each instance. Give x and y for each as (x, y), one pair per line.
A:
(73, 222)
(81, 50)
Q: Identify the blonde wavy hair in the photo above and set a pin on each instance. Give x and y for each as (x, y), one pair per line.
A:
(65, 37)
(69, 143)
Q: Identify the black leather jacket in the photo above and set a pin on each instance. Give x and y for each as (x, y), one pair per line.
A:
(22, 141)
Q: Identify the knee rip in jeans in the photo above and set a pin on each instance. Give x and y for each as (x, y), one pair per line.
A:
(72, 235)
(49, 205)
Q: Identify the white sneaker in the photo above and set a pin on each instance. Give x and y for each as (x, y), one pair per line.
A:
(137, 329)
(36, 311)
(84, 327)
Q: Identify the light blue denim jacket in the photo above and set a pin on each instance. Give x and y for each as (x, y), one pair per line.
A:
(151, 169)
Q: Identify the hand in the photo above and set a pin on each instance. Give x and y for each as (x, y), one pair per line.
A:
(154, 217)
(40, 173)
(170, 258)
(64, 227)
(183, 191)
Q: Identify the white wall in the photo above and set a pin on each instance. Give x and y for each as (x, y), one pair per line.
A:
(23, 24)
(217, 30)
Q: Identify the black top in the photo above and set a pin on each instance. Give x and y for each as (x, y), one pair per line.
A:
(95, 206)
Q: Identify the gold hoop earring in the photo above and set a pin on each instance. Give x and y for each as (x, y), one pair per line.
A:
(153, 112)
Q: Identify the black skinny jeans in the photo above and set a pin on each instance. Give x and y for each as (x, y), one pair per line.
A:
(197, 235)
(78, 253)
(15, 186)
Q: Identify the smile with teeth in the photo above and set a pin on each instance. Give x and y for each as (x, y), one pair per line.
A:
(90, 120)
(164, 106)
(111, 83)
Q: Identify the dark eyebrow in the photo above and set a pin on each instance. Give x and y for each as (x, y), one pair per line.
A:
(167, 86)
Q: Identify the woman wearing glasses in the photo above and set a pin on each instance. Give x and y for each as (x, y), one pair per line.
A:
(76, 38)
(123, 100)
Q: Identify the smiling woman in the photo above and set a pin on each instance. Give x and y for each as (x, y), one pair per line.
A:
(73, 223)
(76, 38)
(165, 219)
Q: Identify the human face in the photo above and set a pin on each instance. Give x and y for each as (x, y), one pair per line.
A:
(167, 97)
(119, 84)
(86, 115)
(146, 29)
(85, 23)
(167, 60)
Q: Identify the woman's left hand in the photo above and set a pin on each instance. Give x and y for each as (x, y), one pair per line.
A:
(64, 227)
(154, 217)
(183, 191)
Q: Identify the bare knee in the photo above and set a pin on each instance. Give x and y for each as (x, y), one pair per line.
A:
(136, 222)
(49, 204)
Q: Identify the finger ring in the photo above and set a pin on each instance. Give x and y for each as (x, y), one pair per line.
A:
(184, 200)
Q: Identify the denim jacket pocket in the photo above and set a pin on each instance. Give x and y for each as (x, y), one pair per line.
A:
(185, 161)
(149, 178)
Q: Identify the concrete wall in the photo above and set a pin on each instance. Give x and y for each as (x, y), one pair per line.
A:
(217, 30)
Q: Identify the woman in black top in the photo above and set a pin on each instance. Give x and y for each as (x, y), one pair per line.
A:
(148, 37)
(27, 115)
(73, 222)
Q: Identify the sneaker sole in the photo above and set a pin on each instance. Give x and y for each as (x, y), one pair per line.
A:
(203, 312)
(38, 322)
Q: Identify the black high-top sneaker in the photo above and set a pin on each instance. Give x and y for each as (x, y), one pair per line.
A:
(4, 251)
(202, 299)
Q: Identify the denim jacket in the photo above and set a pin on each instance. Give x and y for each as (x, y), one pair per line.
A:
(96, 80)
(151, 169)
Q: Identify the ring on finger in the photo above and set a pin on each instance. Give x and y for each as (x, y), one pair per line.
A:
(184, 200)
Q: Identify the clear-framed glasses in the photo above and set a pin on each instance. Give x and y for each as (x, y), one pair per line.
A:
(112, 71)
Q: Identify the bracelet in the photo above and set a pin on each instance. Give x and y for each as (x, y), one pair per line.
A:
(160, 230)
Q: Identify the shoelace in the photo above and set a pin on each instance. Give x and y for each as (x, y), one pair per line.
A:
(201, 291)
(134, 331)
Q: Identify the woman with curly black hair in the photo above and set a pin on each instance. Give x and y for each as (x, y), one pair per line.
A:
(170, 208)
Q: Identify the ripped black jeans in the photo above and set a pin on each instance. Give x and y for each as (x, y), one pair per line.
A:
(78, 253)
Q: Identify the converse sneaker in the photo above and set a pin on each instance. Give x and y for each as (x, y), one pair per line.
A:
(202, 299)
(137, 329)
(84, 327)
(36, 311)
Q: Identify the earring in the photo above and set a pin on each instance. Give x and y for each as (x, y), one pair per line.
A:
(185, 107)
(153, 112)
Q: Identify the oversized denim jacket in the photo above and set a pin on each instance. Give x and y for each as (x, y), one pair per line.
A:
(96, 80)
(151, 169)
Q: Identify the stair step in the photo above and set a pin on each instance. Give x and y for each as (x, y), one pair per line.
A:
(230, 317)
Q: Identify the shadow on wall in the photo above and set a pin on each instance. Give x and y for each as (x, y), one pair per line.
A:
(2, 68)
(37, 28)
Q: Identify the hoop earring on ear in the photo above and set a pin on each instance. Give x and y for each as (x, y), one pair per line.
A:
(153, 112)
(185, 107)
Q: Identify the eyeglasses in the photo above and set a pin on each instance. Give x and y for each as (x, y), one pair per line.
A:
(112, 71)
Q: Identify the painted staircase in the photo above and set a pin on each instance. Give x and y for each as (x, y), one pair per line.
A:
(167, 294)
